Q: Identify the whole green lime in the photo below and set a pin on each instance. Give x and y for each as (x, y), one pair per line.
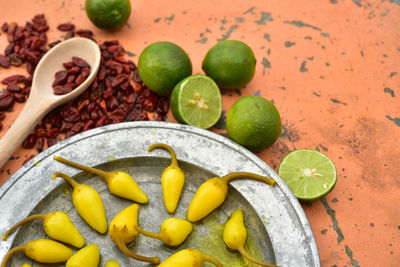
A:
(108, 14)
(162, 65)
(231, 64)
(253, 122)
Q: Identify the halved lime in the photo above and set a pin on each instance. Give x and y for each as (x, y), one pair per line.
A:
(197, 101)
(309, 174)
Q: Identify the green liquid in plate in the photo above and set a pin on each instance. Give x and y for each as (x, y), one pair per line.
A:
(211, 243)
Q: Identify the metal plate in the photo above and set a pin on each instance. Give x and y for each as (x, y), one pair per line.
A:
(273, 215)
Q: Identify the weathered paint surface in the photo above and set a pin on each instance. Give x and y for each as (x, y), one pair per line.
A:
(331, 68)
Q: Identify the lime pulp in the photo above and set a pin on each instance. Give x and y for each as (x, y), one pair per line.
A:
(308, 173)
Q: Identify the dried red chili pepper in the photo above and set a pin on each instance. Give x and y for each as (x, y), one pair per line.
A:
(65, 27)
(39, 144)
(69, 35)
(17, 78)
(19, 97)
(28, 159)
(29, 141)
(4, 61)
(6, 101)
(52, 133)
(51, 142)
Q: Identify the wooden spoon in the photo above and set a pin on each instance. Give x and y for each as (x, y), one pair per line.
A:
(42, 99)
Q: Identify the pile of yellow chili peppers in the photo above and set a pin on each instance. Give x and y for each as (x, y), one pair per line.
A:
(124, 226)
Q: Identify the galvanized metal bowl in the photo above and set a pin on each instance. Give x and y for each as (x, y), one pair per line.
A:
(274, 217)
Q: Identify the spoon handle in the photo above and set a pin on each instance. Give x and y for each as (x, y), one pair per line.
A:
(30, 115)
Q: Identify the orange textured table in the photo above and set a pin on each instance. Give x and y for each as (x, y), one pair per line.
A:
(330, 66)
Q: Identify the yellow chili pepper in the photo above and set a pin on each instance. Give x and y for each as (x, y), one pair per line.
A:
(57, 225)
(112, 263)
(88, 203)
(26, 265)
(189, 257)
(212, 193)
(123, 231)
(88, 256)
(172, 179)
(235, 235)
(173, 231)
(119, 183)
(41, 250)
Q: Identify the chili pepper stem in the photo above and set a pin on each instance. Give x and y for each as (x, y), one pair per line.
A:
(11, 253)
(127, 252)
(149, 234)
(174, 161)
(106, 175)
(210, 259)
(250, 258)
(27, 219)
(235, 175)
(71, 181)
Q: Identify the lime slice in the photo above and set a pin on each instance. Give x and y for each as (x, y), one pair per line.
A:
(309, 174)
(197, 101)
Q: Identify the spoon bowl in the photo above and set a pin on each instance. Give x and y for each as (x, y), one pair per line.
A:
(51, 62)
(41, 98)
